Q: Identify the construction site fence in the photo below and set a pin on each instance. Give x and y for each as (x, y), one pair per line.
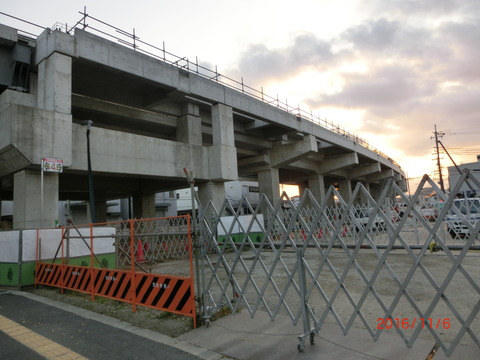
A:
(121, 261)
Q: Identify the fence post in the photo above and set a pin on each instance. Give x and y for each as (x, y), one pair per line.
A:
(132, 265)
(307, 330)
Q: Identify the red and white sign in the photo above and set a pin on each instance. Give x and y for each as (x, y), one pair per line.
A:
(52, 165)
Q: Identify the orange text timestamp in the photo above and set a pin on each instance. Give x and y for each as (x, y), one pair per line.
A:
(407, 323)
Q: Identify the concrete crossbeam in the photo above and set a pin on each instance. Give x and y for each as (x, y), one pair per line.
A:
(287, 153)
(337, 162)
(360, 172)
(380, 176)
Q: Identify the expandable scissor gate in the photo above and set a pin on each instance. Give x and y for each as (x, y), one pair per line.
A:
(387, 265)
(138, 246)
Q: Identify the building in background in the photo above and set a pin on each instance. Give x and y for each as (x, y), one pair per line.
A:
(468, 188)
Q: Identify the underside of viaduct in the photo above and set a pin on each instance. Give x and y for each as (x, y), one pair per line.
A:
(151, 119)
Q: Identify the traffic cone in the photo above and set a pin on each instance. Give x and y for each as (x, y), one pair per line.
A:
(140, 254)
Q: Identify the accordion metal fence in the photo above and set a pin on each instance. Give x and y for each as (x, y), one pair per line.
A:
(394, 264)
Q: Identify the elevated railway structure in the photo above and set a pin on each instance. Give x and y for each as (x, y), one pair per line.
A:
(152, 117)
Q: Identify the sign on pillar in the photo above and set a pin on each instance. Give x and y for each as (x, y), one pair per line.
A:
(48, 165)
(52, 165)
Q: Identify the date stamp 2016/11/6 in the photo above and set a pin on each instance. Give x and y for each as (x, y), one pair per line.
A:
(406, 323)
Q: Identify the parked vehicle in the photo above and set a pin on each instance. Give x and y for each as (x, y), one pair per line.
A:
(470, 208)
(362, 217)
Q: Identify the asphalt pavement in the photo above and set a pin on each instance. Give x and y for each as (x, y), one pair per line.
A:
(33, 327)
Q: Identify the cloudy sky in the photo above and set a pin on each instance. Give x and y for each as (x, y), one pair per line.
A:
(386, 70)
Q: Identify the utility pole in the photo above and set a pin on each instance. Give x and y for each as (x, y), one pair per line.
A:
(437, 141)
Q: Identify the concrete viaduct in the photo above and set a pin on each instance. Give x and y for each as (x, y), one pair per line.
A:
(151, 119)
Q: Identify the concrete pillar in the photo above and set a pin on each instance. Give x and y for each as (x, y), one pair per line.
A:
(375, 190)
(269, 184)
(222, 125)
(361, 196)
(222, 154)
(316, 184)
(144, 206)
(189, 126)
(55, 83)
(212, 191)
(345, 190)
(101, 211)
(27, 199)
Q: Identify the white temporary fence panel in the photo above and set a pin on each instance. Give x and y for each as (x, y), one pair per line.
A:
(239, 224)
(9, 246)
(79, 242)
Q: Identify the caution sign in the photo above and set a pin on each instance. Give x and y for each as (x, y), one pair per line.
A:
(173, 294)
(76, 278)
(49, 274)
(114, 284)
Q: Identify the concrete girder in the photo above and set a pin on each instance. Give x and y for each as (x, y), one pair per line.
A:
(262, 159)
(242, 139)
(380, 176)
(337, 162)
(256, 124)
(288, 153)
(123, 111)
(367, 170)
(304, 165)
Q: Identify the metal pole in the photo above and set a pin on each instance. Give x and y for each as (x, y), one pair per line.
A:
(196, 244)
(438, 159)
(91, 189)
(41, 193)
(307, 331)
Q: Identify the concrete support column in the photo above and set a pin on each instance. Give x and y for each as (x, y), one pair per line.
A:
(212, 191)
(361, 196)
(55, 83)
(189, 126)
(316, 184)
(222, 125)
(222, 154)
(269, 184)
(345, 190)
(144, 206)
(101, 211)
(375, 190)
(27, 199)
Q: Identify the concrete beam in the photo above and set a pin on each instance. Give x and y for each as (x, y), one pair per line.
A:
(288, 153)
(256, 124)
(262, 159)
(338, 162)
(380, 176)
(119, 110)
(130, 154)
(364, 171)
